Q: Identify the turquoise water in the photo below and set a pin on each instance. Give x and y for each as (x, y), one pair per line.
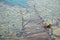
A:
(22, 3)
